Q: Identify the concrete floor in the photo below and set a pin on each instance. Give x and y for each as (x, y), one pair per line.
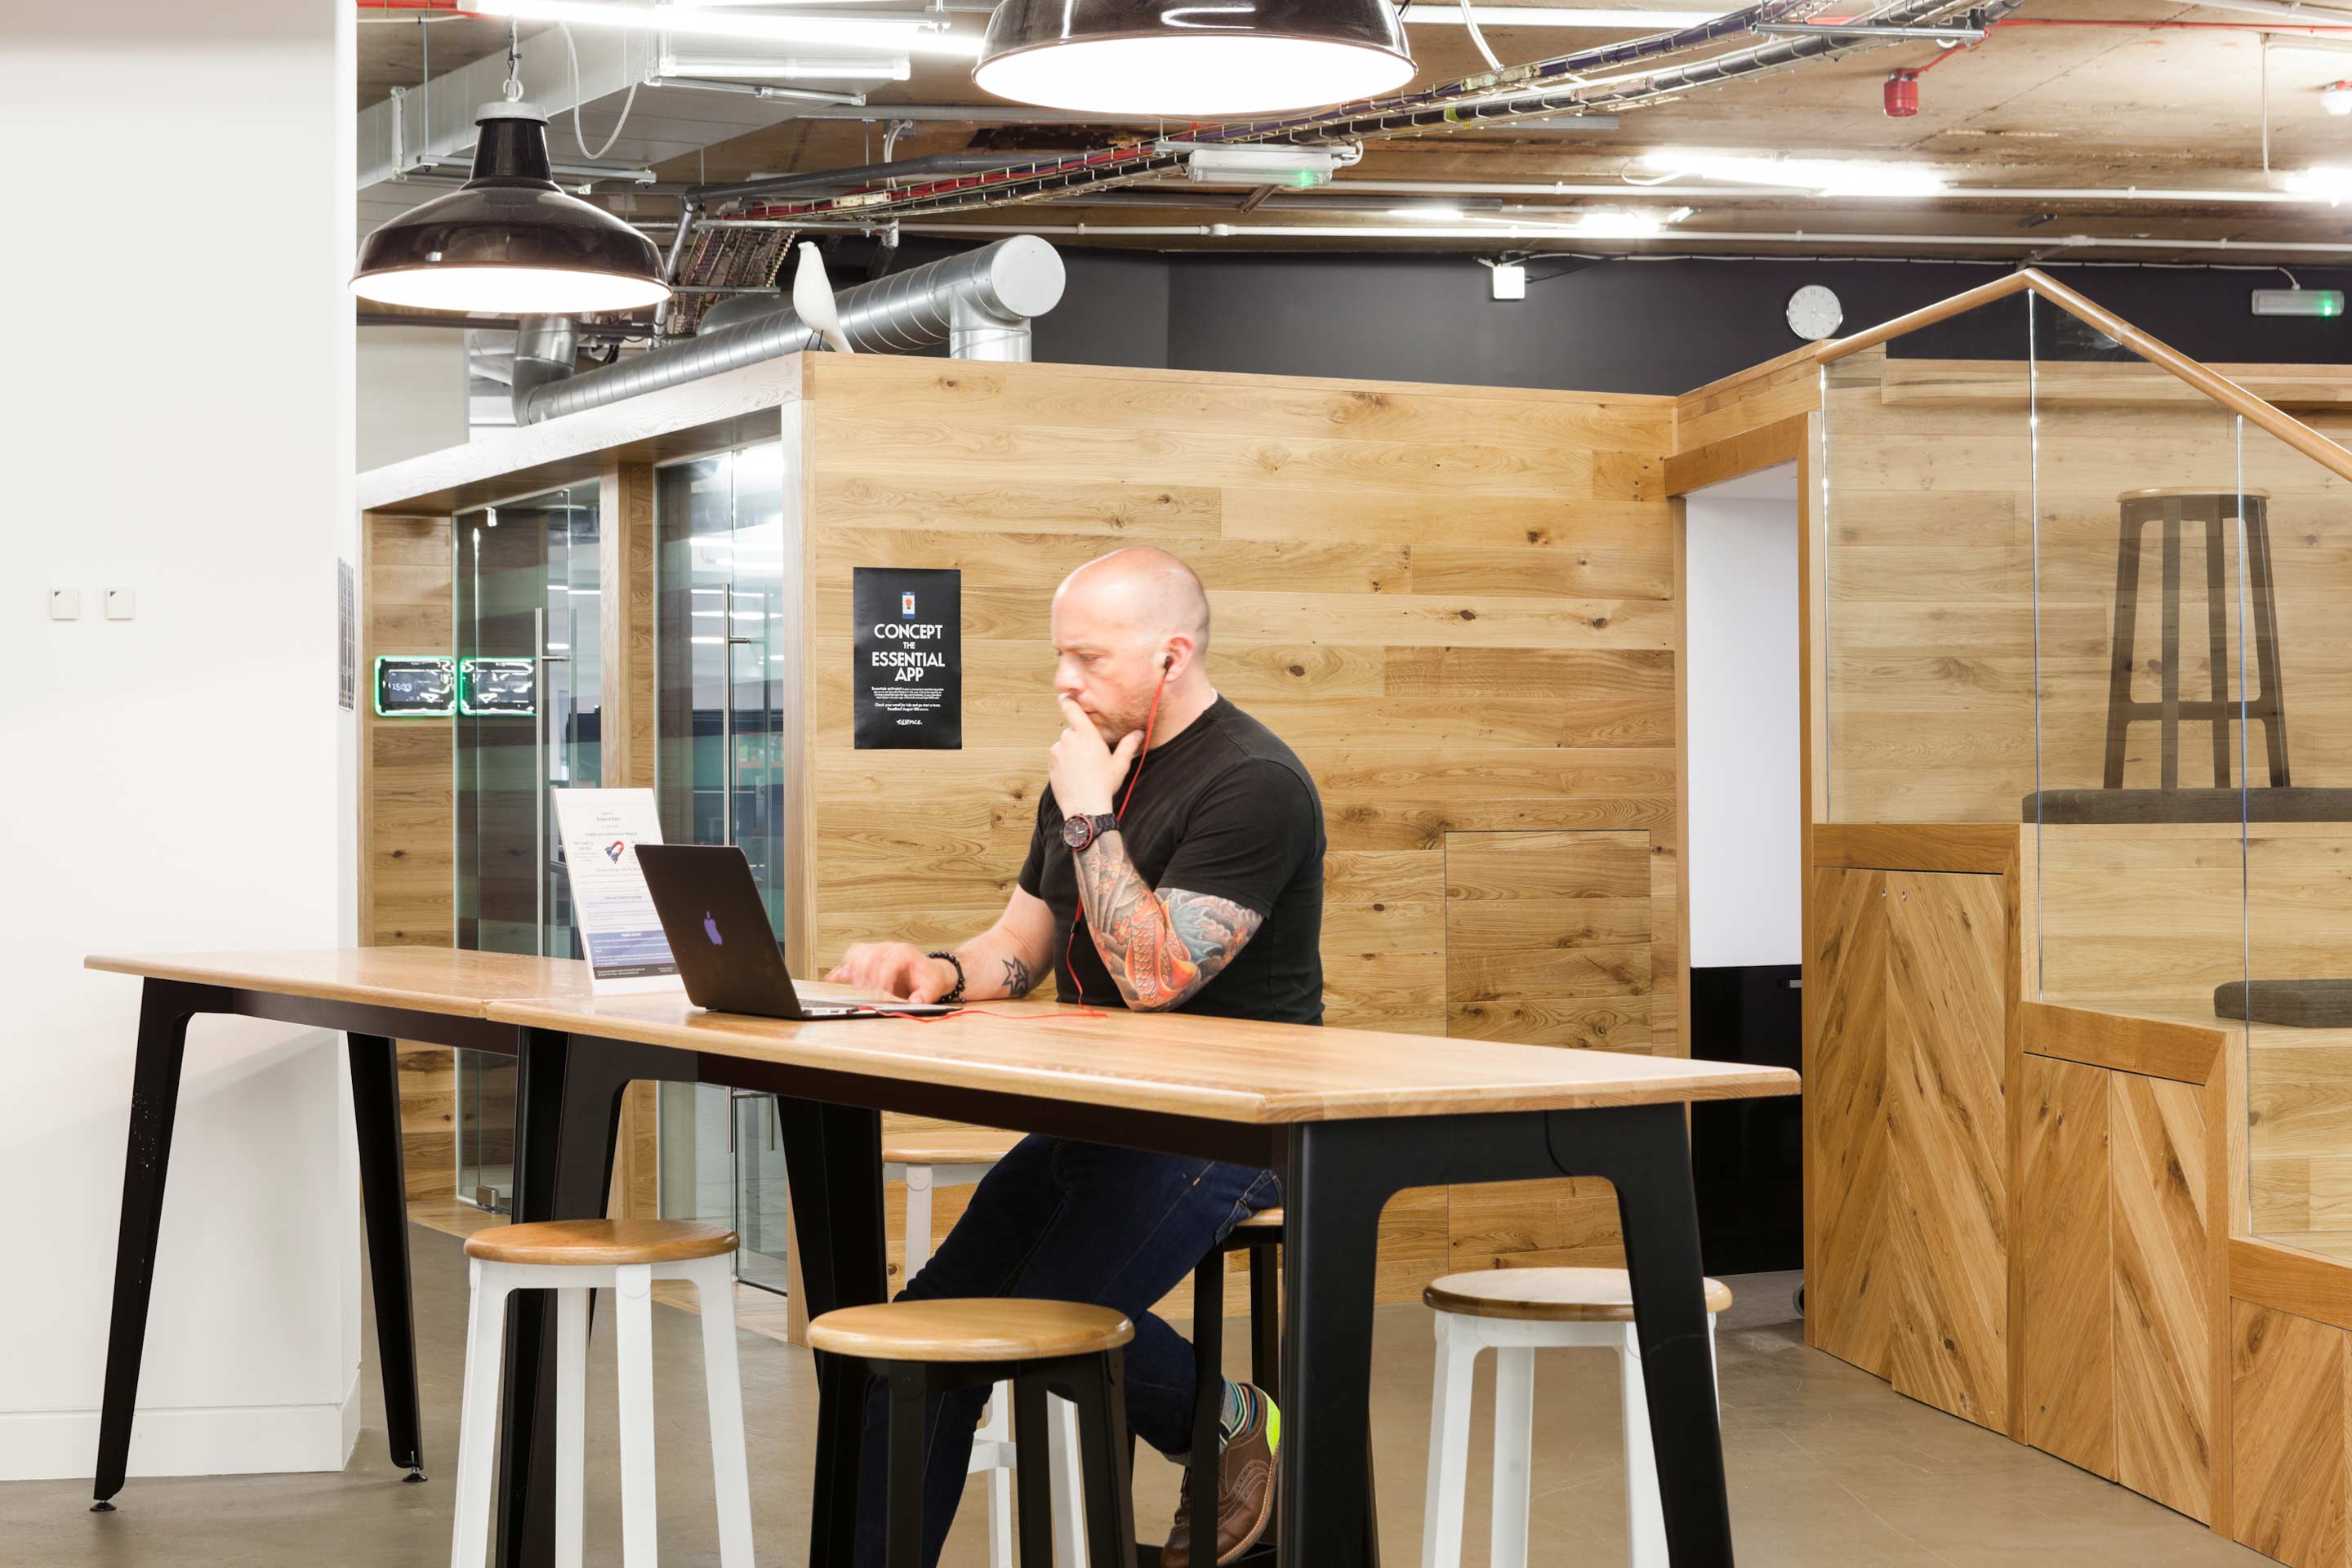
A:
(1828, 1467)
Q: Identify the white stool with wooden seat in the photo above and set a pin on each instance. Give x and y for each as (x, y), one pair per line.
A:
(572, 1259)
(923, 1348)
(1517, 1312)
(930, 1157)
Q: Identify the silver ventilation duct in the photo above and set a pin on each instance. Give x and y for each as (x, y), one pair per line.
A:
(980, 303)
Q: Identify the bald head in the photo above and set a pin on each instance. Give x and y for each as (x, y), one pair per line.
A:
(1126, 626)
(1150, 591)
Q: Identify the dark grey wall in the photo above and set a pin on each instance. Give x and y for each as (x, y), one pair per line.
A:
(1658, 326)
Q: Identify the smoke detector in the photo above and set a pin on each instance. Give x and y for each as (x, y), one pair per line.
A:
(2336, 98)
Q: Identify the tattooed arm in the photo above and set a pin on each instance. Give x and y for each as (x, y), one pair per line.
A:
(1159, 947)
(1002, 961)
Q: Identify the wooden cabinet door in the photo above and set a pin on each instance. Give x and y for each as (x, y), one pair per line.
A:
(1948, 1126)
(2164, 1425)
(2065, 1257)
(1851, 1282)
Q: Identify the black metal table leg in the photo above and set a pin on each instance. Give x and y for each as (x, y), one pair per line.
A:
(165, 1008)
(833, 1164)
(1338, 1181)
(567, 1125)
(383, 1208)
(1645, 1152)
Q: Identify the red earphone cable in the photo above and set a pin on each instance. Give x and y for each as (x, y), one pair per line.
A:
(1133, 779)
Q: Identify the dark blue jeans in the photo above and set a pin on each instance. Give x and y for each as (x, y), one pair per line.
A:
(1062, 1221)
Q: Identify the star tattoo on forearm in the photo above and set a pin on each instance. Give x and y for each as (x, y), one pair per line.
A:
(1018, 981)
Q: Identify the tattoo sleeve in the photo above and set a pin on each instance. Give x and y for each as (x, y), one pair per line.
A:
(1159, 947)
(1018, 981)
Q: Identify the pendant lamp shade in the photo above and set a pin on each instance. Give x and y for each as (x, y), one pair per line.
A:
(1191, 60)
(508, 242)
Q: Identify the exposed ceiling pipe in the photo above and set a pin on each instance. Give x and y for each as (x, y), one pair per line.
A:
(1491, 236)
(1466, 102)
(979, 302)
(2283, 12)
(1678, 191)
(999, 114)
(864, 175)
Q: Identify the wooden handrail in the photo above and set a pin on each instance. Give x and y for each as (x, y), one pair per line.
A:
(2265, 416)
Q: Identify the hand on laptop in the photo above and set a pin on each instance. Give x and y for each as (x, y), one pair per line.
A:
(895, 969)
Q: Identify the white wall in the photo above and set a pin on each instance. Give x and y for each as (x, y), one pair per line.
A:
(180, 424)
(412, 393)
(1740, 578)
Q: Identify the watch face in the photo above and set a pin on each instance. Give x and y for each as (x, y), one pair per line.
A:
(1078, 832)
(1814, 312)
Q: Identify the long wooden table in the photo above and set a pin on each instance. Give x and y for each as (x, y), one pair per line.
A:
(1347, 1118)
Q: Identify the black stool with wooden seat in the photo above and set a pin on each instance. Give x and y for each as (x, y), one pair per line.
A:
(1260, 1236)
(2175, 509)
(922, 1348)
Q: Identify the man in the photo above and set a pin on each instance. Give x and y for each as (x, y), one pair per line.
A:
(1186, 876)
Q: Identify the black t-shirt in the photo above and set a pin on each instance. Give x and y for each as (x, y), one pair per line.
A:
(1223, 809)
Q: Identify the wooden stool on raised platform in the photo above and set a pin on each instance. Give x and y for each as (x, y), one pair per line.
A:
(932, 1157)
(922, 1348)
(2175, 509)
(1519, 1311)
(572, 1258)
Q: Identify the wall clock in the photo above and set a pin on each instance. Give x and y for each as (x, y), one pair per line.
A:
(1814, 312)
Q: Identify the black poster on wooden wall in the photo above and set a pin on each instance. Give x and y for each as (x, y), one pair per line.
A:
(907, 659)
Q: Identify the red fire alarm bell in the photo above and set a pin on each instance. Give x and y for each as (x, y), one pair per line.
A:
(1902, 94)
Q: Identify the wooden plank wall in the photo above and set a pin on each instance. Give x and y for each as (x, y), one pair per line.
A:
(406, 811)
(1457, 604)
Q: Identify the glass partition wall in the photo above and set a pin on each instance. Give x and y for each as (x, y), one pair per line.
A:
(527, 619)
(718, 667)
(2065, 591)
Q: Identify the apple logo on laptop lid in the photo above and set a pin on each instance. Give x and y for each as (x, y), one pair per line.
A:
(710, 928)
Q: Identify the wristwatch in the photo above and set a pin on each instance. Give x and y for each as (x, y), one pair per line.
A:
(1078, 832)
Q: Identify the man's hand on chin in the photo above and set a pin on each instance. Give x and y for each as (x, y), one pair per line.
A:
(1081, 770)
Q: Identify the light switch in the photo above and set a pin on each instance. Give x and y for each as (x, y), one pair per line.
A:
(65, 604)
(121, 604)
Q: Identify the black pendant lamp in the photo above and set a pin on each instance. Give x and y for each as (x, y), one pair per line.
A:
(1192, 60)
(508, 242)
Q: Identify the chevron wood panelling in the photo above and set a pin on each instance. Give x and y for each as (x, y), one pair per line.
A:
(2288, 1422)
(1851, 1275)
(1950, 1221)
(2065, 1258)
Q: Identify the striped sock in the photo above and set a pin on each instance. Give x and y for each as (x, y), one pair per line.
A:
(1241, 1407)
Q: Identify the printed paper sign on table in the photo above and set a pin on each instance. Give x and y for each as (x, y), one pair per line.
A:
(600, 830)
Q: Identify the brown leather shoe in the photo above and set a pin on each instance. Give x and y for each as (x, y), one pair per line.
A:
(1244, 1492)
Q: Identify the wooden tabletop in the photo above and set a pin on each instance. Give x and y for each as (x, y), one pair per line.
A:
(422, 979)
(1221, 1068)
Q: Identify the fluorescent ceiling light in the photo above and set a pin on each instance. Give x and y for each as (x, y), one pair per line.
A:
(1261, 164)
(2329, 182)
(1824, 177)
(913, 34)
(788, 68)
(1434, 212)
(1553, 16)
(1626, 223)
